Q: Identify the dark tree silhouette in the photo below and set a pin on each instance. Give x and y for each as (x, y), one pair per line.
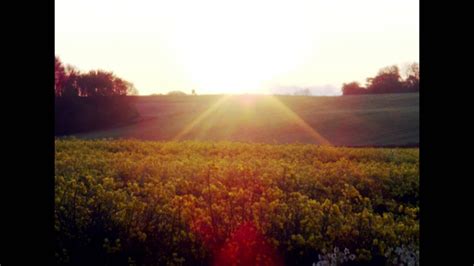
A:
(412, 82)
(388, 80)
(352, 88)
(70, 88)
(103, 83)
(92, 100)
(59, 77)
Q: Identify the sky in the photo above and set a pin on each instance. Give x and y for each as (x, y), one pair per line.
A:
(221, 46)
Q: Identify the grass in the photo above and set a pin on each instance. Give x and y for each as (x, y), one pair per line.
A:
(363, 120)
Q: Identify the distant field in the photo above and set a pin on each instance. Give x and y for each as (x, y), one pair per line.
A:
(363, 120)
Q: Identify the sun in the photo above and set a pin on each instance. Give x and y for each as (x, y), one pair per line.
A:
(241, 47)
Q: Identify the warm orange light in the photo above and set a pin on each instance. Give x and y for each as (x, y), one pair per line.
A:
(235, 117)
(220, 46)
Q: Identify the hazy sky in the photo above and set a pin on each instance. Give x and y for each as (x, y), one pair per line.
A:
(219, 46)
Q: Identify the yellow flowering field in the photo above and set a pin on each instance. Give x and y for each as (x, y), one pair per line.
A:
(131, 202)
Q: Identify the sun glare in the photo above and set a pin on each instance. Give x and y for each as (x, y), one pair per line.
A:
(238, 116)
(235, 47)
(241, 47)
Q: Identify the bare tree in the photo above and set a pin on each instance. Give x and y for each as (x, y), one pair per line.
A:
(59, 76)
(412, 81)
(411, 69)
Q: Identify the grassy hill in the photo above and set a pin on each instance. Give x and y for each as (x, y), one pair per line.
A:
(359, 120)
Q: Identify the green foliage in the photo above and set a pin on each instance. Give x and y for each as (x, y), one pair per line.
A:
(127, 202)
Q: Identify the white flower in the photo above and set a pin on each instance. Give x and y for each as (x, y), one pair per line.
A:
(398, 250)
(336, 250)
(352, 257)
(346, 251)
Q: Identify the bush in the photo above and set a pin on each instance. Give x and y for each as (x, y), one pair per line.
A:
(177, 93)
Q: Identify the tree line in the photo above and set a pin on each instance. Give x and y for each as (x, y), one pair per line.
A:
(387, 80)
(86, 101)
(70, 82)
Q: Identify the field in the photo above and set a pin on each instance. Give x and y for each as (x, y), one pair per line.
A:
(135, 202)
(363, 120)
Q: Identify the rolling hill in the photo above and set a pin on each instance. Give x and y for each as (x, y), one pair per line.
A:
(359, 120)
